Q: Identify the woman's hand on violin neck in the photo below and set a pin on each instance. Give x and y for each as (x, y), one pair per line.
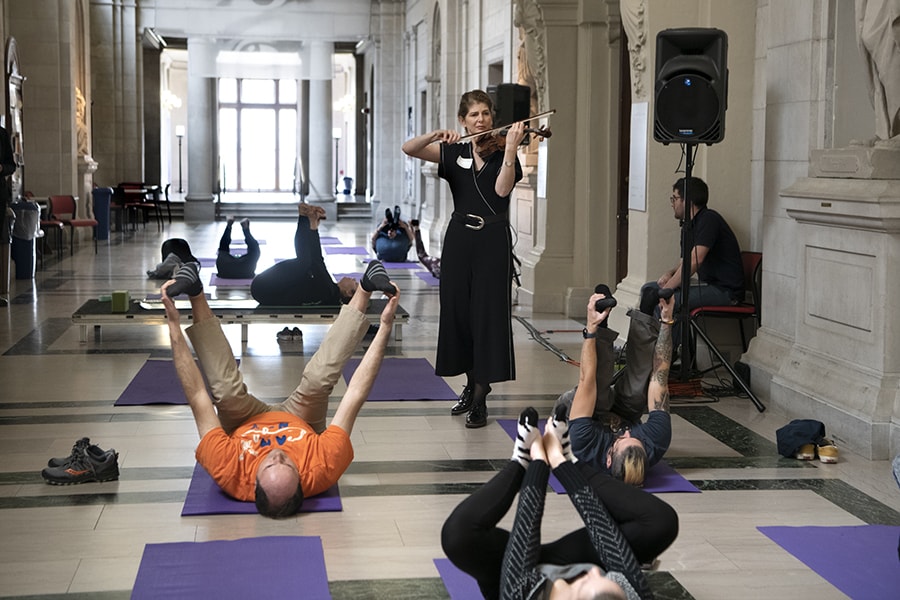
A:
(515, 135)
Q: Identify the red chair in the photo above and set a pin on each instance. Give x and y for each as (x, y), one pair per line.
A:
(749, 309)
(64, 209)
(740, 312)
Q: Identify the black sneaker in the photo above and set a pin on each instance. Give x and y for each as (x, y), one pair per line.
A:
(285, 335)
(77, 449)
(89, 465)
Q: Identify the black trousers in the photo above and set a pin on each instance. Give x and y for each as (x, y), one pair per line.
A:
(473, 542)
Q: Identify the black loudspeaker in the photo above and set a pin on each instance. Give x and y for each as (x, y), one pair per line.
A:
(512, 102)
(691, 86)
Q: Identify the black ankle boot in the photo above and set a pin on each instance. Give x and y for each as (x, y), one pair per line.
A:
(464, 403)
(477, 417)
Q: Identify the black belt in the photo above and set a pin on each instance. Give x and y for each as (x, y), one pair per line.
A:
(477, 221)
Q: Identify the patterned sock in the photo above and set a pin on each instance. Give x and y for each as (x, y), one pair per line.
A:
(526, 432)
(165, 269)
(559, 427)
(187, 281)
(376, 278)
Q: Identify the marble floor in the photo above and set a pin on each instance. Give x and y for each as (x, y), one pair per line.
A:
(414, 462)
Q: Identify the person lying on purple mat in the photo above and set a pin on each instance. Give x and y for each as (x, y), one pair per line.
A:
(303, 280)
(275, 454)
(624, 526)
(605, 407)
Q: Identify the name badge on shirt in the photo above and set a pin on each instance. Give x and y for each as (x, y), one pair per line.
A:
(465, 163)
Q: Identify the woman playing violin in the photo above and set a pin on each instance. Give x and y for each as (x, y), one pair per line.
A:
(475, 333)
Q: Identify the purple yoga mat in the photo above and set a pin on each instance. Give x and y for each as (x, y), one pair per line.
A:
(339, 276)
(223, 282)
(660, 478)
(428, 278)
(205, 497)
(155, 383)
(859, 560)
(327, 240)
(345, 250)
(269, 567)
(404, 379)
(207, 262)
(460, 586)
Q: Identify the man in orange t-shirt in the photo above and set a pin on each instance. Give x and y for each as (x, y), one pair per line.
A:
(274, 454)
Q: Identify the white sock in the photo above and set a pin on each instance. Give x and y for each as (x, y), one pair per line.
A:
(558, 424)
(526, 432)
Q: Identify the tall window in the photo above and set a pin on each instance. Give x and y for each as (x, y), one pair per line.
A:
(257, 134)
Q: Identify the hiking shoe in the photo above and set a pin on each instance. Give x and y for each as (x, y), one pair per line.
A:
(806, 452)
(828, 452)
(78, 448)
(284, 335)
(88, 465)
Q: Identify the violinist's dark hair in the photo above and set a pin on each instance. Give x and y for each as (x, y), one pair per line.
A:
(474, 97)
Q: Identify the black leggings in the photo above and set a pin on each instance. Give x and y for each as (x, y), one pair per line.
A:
(229, 266)
(298, 281)
(473, 542)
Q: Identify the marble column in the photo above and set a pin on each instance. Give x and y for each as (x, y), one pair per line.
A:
(321, 142)
(201, 135)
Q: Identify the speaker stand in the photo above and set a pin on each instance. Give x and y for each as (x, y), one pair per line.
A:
(687, 245)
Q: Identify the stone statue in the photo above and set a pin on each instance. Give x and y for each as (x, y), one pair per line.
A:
(530, 18)
(878, 33)
(81, 131)
(635, 23)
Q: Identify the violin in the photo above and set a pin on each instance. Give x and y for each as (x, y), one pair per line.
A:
(489, 143)
(542, 132)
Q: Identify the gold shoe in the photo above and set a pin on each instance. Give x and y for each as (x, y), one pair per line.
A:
(828, 452)
(806, 452)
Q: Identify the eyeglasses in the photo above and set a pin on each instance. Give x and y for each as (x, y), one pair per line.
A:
(673, 198)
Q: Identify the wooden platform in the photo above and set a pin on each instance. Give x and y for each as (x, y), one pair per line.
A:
(243, 312)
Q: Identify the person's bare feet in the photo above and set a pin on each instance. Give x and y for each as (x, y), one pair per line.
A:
(305, 209)
(245, 223)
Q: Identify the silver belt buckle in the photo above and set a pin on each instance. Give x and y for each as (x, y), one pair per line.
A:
(478, 218)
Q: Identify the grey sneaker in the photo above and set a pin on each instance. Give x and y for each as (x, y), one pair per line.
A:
(77, 449)
(91, 464)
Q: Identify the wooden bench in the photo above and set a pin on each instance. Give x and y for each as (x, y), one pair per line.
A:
(243, 312)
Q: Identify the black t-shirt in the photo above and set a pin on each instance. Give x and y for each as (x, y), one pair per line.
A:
(722, 266)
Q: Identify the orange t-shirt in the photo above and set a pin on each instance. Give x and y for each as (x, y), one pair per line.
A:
(232, 460)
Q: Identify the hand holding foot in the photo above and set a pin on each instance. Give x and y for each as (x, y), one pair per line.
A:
(390, 310)
(172, 313)
(558, 428)
(595, 318)
(555, 456)
(538, 451)
(667, 308)
(185, 281)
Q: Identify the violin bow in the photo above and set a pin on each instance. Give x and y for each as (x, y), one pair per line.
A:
(501, 128)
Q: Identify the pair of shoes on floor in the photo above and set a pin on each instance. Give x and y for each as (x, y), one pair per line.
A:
(87, 462)
(827, 451)
(476, 412)
(289, 335)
